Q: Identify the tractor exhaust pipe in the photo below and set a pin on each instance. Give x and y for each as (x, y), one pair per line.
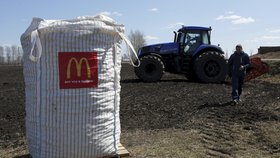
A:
(175, 36)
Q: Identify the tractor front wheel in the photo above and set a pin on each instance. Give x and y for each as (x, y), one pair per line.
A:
(210, 67)
(151, 68)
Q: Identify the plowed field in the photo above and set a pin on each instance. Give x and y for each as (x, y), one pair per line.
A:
(170, 118)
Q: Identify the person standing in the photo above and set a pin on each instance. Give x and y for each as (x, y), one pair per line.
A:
(238, 63)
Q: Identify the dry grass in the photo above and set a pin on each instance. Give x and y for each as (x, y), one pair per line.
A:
(163, 143)
(271, 79)
(274, 75)
(252, 142)
(249, 142)
(14, 152)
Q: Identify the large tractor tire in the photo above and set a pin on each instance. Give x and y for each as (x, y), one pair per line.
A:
(210, 67)
(151, 68)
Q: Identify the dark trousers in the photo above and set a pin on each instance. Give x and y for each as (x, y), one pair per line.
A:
(237, 82)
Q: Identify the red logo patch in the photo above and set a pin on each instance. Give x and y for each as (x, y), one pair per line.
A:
(78, 70)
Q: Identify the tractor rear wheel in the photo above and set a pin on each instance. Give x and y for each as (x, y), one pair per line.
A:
(210, 67)
(151, 68)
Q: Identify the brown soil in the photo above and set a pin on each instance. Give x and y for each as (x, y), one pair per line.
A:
(173, 104)
(269, 55)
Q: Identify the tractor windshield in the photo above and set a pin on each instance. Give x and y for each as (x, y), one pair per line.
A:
(192, 41)
(200, 37)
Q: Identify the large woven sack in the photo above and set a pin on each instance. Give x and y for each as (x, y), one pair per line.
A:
(72, 73)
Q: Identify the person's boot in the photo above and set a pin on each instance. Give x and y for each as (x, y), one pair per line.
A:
(235, 101)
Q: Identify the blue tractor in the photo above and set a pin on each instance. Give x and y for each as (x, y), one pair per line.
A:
(191, 54)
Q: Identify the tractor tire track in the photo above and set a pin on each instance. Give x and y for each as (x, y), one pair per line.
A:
(216, 134)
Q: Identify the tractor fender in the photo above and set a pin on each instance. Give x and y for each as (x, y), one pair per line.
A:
(154, 54)
(206, 48)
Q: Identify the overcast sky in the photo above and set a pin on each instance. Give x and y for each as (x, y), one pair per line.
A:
(252, 23)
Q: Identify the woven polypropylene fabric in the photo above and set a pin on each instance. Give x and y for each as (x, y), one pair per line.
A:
(78, 122)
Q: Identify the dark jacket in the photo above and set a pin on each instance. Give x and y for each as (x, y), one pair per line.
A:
(235, 61)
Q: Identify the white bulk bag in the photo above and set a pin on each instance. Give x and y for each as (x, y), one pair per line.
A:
(72, 73)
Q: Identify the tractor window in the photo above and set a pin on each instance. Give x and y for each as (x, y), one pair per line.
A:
(181, 37)
(193, 38)
(205, 39)
(192, 41)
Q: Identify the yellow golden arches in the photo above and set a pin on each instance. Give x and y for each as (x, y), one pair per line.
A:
(78, 67)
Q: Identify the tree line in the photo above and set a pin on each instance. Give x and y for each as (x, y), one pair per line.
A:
(11, 55)
(137, 39)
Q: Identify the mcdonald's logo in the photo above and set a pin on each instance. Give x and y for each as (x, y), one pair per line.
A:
(78, 67)
(78, 70)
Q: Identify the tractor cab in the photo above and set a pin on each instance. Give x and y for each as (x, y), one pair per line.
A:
(191, 38)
